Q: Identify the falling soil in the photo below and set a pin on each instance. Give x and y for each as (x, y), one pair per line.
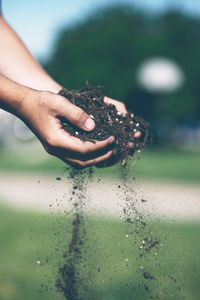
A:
(134, 216)
(71, 282)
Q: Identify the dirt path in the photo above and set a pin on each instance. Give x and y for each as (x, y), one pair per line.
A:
(45, 193)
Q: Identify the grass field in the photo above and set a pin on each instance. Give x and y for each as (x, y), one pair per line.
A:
(154, 163)
(26, 238)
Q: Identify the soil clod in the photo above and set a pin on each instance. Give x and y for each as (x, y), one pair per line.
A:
(109, 122)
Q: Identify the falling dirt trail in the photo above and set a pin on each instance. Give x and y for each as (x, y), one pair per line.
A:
(43, 193)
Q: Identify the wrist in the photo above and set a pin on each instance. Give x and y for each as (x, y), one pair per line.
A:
(11, 95)
(15, 98)
(26, 102)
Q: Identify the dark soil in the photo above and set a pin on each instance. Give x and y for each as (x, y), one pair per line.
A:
(71, 282)
(74, 273)
(109, 122)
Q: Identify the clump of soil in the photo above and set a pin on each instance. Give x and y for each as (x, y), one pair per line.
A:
(109, 122)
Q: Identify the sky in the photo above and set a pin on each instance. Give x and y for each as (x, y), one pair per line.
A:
(39, 21)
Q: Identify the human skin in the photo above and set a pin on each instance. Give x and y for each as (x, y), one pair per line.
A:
(27, 91)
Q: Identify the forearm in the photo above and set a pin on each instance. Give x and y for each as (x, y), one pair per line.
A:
(14, 96)
(17, 63)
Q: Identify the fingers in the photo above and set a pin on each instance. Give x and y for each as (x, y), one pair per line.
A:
(84, 164)
(137, 135)
(75, 115)
(120, 106)
(60, 139)
(88, 147)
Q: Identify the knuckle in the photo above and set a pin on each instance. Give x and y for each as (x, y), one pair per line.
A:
(79, 116)
(43, 97)
(84, 150)
(51, 142)
(121, 104)
(55, 105)
(102, 144)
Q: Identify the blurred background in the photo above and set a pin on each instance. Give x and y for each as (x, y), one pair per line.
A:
(145, 54)
(142, 52)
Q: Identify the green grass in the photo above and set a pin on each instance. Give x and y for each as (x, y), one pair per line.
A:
(169, 164)
(28, 237)
(154, 164)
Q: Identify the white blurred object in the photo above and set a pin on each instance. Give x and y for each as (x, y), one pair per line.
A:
(5, 126)
(21, 131)
(4, 113)
(160, 75)
(13, 129)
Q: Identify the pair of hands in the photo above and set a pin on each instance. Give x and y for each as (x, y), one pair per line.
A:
(42, 114)
(42, 110)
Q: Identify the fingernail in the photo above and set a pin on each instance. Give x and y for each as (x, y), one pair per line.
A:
(137, 134)
(89, 124)
(111, 139)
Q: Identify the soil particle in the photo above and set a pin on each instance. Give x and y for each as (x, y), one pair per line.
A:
(143, 200)
(147, 275)
(141, 232)
(75, 270)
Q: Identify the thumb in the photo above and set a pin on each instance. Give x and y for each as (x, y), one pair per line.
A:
(75, 115)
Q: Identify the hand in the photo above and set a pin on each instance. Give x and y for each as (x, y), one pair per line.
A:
(122, 108)
(42, 112)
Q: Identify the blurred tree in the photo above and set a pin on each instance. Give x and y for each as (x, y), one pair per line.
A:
(108, 48)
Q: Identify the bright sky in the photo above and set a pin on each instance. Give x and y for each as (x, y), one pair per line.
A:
(38, 21)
